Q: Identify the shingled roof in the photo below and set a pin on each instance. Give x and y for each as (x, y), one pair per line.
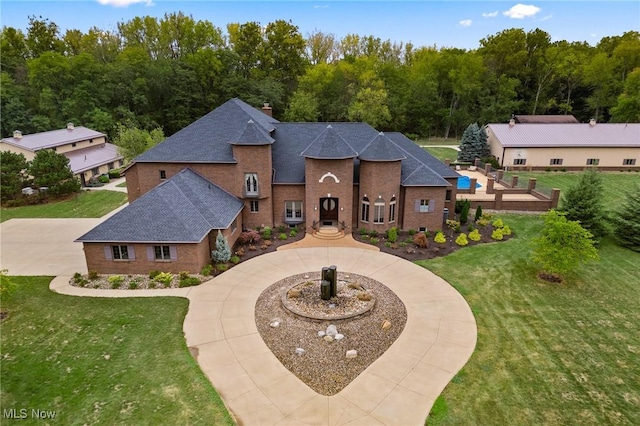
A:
(381, 149)
(329, 145)
(206, 140)
(183, 209)
(253, 135)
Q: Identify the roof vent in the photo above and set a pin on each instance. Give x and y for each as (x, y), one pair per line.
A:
(592, 122)
(69, 126)
(512, 122)
(17, 134)
(267, 109)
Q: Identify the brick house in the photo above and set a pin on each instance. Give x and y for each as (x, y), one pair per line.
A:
(89, 153)
(305, 175)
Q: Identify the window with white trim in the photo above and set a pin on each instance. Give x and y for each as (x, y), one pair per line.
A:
(593, 161)
(423, 207)
(519, 161)
(162, 252)
(392, 210)
(251, 183)
(293, 210)
(378, 211)
(364, 214)
(555, 162)
(629, 162)
(253, 206)
(120, 252)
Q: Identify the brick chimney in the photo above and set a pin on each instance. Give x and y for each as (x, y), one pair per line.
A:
(267, 109)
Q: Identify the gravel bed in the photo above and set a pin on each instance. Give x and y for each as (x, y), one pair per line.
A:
(131, 282)
(324, 366)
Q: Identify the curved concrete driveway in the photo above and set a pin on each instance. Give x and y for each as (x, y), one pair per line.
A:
(397, 389)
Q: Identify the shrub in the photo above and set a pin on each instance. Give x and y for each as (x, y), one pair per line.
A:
(153, 274)
(363, 231)
(487, 216)
(482, 222)
(82, 282)
(478, 214)
(114, 174)
(93, 275)
(462, 240)
(402, 244)
(498, 223)
(115, 280)
(506, 230)
(373, 233)
(411, 232)
(393, 234)
(152, 284)
(188, 282)
(365, 236)
(497, 234)
(77, 277)
(281, 228)
(235, 260)
(475, 235)
(222, 253)
(221, 267)
(388, 244)
(293, 233)
(464, 212)
(266, 233)
(103, 179)
(470, 227)
(206, 270)
(374, 240)
(282, 236)
(133, 285)
(164, 278)
(420, 240)
(454, 225)
(439, 238)
(183, 274)
(249, 237)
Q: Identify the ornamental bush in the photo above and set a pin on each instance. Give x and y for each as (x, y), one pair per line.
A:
(475, 235)
(462, 240)
(497, 234)
(164, 278)
(266, 232)
(439, 238)
(498, 223)
(222, 253)
(393, 235)
(249, 237)
(282, 236)
(506, 230)
(420, 240)
(115, 280)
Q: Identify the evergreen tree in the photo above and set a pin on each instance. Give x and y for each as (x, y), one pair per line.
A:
(222, 253)
(626, 222)
(583, 202)
(478, 212)
(12, 174)
(473, 144)
(50, 169)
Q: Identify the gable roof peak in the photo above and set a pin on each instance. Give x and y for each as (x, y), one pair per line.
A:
(381, 148)
(329, 145)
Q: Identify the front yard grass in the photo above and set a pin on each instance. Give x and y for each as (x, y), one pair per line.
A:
(442, 153)
(84, 204)
(546, 353)
(102, 361)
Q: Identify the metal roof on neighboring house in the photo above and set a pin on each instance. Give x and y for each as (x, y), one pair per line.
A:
(94, 156)
(53, 138)
(545, 118)
(183, 209)
(567, 135)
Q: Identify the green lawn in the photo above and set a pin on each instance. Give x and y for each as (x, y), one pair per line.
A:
(546, 353)
(122, 184)
(443, 153)
(615, 183)
(85, 204)
(102, 361)
(438, 141)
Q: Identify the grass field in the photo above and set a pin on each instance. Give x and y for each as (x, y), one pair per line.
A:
(85, 204)
(122, 184)
(547, 354)
(102, 361)
(438, 141)
(443, 153)
(614, 183)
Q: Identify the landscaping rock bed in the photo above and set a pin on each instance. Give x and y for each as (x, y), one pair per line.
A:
(131, 282)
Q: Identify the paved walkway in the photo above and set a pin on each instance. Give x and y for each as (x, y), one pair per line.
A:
(311, 241)
(397, 389)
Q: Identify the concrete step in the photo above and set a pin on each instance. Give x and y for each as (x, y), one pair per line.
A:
(329, 233)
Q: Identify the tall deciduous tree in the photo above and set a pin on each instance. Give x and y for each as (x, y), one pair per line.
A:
(12, 174)
(370, 106)
(582, 202)
(628, 107)
(303, 106)
(132, 141)
(50, 169)
(626, 220)
(563, 246)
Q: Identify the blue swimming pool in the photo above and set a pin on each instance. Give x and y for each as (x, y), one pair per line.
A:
(464, 182)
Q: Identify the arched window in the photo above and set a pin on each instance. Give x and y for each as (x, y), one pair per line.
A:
(392, 209)
(251, 183)
(365, 209)
(378, 211)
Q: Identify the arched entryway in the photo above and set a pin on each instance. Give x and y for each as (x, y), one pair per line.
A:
(328, 211)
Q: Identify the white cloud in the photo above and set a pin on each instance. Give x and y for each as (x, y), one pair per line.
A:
(490, 14)
(465, 22)
(520, 11)
(324, 6)
(546, 17)
(124, 3)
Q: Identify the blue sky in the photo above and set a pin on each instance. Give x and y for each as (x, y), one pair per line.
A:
(424, 23)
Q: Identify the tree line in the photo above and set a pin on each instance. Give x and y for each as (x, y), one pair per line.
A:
(166, 72)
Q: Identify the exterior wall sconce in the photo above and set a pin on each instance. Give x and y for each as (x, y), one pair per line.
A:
(315, 207)
(341, 209)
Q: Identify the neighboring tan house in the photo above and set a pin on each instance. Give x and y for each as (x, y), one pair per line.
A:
(538, 119)
(569, 146)
(88, 152)
(307, 175)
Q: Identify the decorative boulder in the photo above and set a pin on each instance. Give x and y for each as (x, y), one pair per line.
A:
(386, 325)
(293, 293)
(332, 330)
(352, 353)
(364, 296)
(328, 338)
(355, 286)
(339, 336)
(300, 351)
(321, 333)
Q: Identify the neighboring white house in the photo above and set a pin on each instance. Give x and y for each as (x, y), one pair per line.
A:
(571, 146)
(88, 151)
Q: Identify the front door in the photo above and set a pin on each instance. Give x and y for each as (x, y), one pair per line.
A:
(328, 210)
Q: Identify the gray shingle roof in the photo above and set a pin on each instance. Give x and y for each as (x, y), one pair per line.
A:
(206, 140)
(37, 141)
(381, 149)
(418, 156)
(567, 135)
(184, 208)
(253, 135)
(329, 145)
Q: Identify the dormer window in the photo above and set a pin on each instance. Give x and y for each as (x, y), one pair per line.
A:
(251, 184)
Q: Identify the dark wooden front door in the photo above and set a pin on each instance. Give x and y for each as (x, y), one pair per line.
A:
(328, 209)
